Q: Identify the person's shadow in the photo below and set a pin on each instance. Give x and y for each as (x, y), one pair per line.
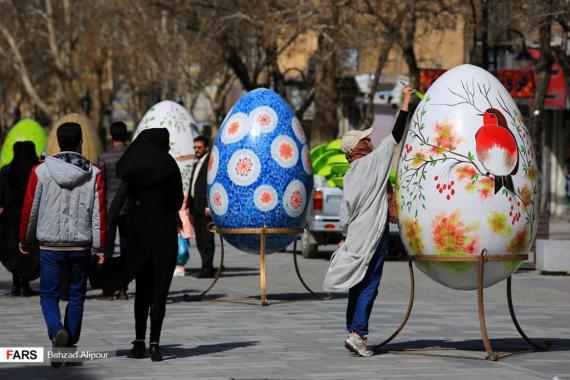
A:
(177, 351)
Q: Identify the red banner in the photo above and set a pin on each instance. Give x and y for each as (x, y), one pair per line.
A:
(557, 93)
(519, 84)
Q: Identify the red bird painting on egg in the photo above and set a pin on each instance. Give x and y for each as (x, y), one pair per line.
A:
(497, 149)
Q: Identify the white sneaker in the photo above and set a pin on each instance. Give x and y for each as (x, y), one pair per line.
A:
(358, 345)
(178, 271)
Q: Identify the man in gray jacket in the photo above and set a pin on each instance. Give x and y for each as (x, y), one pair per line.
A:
(64, 208)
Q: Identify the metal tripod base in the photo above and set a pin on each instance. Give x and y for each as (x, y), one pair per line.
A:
(481, 259)
(263, 232)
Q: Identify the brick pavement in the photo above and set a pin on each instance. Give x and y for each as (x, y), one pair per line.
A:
(297, 337)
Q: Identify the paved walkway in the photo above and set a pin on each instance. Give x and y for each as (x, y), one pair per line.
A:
(560, 228)
(298, 337)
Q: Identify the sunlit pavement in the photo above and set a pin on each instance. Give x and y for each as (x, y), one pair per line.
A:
(229, 335)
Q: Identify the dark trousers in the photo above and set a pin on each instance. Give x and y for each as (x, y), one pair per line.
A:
(122, 223)
(122, 226)
(52, 266)
(204, 240)
(152, 285)
(361, 296)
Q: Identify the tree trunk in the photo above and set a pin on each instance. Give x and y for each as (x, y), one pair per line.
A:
(368, 118)
(474, 26)
(407, 45)
(485, 35)
(240, 69)
(542, 79)
(325, 121)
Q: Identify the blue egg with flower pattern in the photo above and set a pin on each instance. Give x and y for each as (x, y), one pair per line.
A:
(260, 171)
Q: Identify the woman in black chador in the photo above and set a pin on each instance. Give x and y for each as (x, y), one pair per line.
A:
(13, 181)
(153, 186)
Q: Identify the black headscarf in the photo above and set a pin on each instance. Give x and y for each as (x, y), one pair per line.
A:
(146, 162)
(25, 158)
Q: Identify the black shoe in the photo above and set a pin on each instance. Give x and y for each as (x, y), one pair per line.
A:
(60, 340)
(138, 350)
(29, 292)
(155, 354)
(207, 273)
(16, 292)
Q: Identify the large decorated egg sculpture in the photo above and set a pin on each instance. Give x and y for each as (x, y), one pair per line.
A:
(467, 179)
(91, 147)
(182, 129)
(24, 130)
(260, 172)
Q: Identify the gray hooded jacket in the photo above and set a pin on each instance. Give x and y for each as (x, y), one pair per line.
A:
(64, 205)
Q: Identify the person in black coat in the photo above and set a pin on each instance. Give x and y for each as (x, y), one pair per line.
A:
(198, 207)
(13, 182)
(152, 183)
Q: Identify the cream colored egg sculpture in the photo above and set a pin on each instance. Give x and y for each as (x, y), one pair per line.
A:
(467, 179)
(182, 129)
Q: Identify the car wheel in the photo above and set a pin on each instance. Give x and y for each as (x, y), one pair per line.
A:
(309, 245)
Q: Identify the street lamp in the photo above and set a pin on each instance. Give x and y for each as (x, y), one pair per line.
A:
(524, 59)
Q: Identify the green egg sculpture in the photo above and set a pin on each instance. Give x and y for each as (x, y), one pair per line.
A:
(24, 130)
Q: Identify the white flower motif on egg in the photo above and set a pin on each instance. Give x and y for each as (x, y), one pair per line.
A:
(244, 167)
(284, 151)
(265, 198)
(306, 157)
(218, 199)
(298, 130)
(235, 128)
(213, 165)
(263, 119)
(179, 123)
(295, 198)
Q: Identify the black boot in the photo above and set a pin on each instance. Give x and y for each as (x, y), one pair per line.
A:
(16, 291)
(155, 354)
(16, 286)
(138, 350)
(27, 291)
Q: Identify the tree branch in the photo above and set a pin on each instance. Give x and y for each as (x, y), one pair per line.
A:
(20, 66)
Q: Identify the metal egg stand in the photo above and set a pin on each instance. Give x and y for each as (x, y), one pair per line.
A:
(481, 259)
(263, 232)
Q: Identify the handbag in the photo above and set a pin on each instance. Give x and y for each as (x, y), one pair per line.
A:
(183, 251)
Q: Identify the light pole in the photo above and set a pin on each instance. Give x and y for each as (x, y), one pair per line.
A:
(524, 59)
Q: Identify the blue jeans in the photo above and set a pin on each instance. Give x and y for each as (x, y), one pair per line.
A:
(361, 296)
(52, 266)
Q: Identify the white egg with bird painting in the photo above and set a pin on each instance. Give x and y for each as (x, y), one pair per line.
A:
(467, 179)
